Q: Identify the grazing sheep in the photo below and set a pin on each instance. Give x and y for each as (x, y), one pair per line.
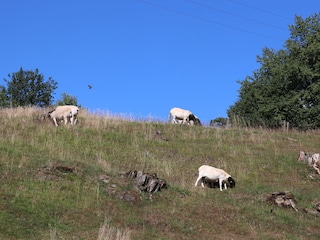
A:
(312, 160)
(305, 157)
(213, 173)
(181, 116)
(64, 113)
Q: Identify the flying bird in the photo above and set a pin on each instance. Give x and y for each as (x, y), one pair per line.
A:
(89, 86)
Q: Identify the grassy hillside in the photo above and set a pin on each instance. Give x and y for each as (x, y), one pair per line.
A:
(65, 182)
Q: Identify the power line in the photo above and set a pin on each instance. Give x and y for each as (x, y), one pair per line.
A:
(235, 15)
(208, 20)
(261, 10)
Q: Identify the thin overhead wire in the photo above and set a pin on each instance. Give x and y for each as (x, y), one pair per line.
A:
(260, 10)
(208, 20)
(235, 15)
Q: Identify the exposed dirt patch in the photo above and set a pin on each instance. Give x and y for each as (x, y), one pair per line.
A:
(55, 172)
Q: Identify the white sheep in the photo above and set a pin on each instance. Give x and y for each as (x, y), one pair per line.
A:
(312, 160)
(64, 113)
(213, 173)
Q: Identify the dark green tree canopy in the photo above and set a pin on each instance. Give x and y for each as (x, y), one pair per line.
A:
(28, 88)
(67, 99)
(287, 85)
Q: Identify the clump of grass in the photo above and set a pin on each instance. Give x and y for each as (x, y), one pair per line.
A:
(107, 232)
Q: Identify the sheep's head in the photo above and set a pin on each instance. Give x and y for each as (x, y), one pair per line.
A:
(49, 114)
(197, 122)
(232, 182)
(303, 156)
(193, 120)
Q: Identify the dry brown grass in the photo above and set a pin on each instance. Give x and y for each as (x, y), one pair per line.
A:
(107, 232)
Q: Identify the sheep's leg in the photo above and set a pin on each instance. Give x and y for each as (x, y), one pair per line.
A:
(198, 181)
(71, 119)
(55, 122)
(174, 120)
(220, 184)
(184, 121)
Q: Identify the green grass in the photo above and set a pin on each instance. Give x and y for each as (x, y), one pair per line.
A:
(39, 201)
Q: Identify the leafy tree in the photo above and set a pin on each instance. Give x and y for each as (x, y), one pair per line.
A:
(67, 99)
(219, 122)
(28, 88)
(286, 87)
(3, 97)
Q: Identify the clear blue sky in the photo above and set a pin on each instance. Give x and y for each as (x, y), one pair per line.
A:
(144, 57)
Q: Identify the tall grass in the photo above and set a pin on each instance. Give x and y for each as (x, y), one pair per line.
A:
(107, 232)
(38, 200)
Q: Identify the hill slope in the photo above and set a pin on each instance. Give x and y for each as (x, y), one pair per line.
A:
(68, 182)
